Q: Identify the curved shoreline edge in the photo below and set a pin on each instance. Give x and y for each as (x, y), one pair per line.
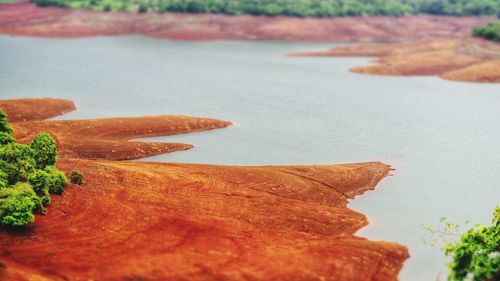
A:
(457, 59)
(192, 221)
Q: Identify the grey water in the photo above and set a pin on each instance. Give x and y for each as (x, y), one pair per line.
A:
(442, 137)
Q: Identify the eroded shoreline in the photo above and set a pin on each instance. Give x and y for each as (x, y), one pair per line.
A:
(186, 221)
(466, 59)
(427, 45)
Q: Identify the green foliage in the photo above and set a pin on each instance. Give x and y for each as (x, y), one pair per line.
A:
(17, 205)
(4, 123)
(56, 180)
(44, 150)
(76, 177)
(491, 31)
(476, 256)
(300, 8)
(13, 175)
(4, 179)
(143, 7)
(19, 200)
(21, 157)
(40, 184)
(6, 138)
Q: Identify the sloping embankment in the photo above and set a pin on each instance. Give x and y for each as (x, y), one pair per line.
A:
(193, 222)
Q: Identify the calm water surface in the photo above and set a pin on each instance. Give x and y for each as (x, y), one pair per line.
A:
(442, 137)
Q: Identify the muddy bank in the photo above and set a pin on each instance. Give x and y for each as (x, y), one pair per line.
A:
(467, 59)
(196, 222)
(29, 20)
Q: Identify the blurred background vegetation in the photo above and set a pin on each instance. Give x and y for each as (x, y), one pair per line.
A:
(300, 8)
(491, 31)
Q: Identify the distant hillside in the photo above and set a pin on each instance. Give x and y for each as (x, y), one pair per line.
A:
(300, 8)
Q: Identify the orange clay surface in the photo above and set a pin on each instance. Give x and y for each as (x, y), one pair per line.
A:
(30, 109)
(157, 221)
(468, 59)
(29, 20)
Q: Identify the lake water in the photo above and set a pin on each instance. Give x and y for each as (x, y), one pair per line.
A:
(442, 137)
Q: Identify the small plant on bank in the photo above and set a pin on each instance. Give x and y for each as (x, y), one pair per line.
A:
(476, 253)
(27, 176)
(56, 180)
(476, 256)
(76, 177)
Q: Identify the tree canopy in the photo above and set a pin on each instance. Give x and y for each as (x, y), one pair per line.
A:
(300, 8)
(27, 175)
(491, 31)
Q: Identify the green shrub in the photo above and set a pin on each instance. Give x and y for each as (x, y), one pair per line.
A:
(13, 175)
(6, 138)
(56, 180)
(476, 256)
(17, 205)
(44, 150)
(76, 177)
(21, 157)
(4, 179)
(4, 123)
(39, 182)
(20, 162)
(491, 31)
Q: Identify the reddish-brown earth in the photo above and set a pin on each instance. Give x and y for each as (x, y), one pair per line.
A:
(101, 138)
(30, 20)
(452, 58)
(151, 221)
(28, 109)
(108, 138)
(468, 59)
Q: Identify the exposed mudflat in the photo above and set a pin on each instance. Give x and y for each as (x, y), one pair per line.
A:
(29, 20)
(468, 59)
(193, 222)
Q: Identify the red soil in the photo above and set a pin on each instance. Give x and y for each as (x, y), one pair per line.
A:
(101, 138)
(30, 20)
(28, 109)
(137, 221)
(469, 59)
(108, 138)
